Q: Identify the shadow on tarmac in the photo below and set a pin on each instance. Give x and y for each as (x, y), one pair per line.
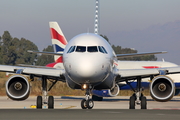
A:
(109, 99)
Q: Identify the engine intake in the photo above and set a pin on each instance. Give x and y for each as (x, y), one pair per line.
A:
(17, 87)
(107, 93)
(162, 88)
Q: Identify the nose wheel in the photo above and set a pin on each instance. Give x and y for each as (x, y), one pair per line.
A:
(87, 103)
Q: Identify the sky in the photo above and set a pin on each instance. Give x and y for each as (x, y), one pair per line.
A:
(29, 19)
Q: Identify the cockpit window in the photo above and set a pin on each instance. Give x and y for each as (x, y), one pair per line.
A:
(71, 49)
(102, 49)
(89, 49)
(80, 49)
(92, 49)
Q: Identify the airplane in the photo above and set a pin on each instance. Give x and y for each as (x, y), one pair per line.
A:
(89, 63)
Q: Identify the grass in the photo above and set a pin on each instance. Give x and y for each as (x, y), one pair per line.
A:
(59, 89)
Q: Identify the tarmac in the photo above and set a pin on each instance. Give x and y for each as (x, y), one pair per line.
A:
(68, 107)
(73, 102)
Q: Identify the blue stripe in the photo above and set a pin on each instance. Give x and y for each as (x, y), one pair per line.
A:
(145, 85)
(177, 85)
(58, 48)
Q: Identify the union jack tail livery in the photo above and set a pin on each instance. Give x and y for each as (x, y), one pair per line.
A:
(58, 40)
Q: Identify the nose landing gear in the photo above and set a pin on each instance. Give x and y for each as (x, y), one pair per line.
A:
(87, 103)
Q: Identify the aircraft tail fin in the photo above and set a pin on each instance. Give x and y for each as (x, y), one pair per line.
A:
(58, 40)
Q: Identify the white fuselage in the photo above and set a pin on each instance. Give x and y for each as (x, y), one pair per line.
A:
(89, 59)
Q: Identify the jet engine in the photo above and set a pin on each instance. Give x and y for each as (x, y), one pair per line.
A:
(162, 88)
(17, 87)
(107, 93)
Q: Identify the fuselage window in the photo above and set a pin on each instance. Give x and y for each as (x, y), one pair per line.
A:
(92, 49)
(71, 49)
(80, 49)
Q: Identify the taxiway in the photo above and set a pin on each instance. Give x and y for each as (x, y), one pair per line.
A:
(68, 107)
(73, 102)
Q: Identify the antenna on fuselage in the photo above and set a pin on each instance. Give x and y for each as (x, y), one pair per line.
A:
(96, 20)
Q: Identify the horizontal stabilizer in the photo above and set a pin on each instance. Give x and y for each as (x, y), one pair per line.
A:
(138, 54)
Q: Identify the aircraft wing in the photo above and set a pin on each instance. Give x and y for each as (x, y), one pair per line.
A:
(139, 54)
(34, 66)
(32, 71)
(126, 74)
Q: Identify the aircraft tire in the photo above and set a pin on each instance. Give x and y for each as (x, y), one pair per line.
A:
(50, 102)
(90, 104)
(83, 104)
(143, 103)
(39, 102)
(132, 102)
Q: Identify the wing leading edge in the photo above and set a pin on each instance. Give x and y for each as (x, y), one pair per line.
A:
(133, 73)
(32, 71)
(139, 54)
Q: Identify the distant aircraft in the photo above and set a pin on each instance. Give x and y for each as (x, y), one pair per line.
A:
(89, 63)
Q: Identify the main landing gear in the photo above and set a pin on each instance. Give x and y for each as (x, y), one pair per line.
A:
(87, 103)
(137, 98)
(43, 100)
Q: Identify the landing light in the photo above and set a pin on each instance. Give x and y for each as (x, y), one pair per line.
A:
(84, 86)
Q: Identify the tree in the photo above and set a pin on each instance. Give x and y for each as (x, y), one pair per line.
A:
(45, 59)
(24, 57)
(14, 51)
(105, 37)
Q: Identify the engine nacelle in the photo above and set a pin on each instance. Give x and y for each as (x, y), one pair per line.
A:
(162, 88)
(107, 93)
(17, 87)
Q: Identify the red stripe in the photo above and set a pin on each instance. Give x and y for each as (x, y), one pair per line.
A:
(51, 65)
(150, 67)
(56, 35)
(59, 60)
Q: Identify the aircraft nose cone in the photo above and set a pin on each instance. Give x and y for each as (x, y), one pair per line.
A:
(86, 69)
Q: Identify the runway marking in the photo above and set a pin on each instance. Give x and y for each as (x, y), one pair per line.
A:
(70, 107)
